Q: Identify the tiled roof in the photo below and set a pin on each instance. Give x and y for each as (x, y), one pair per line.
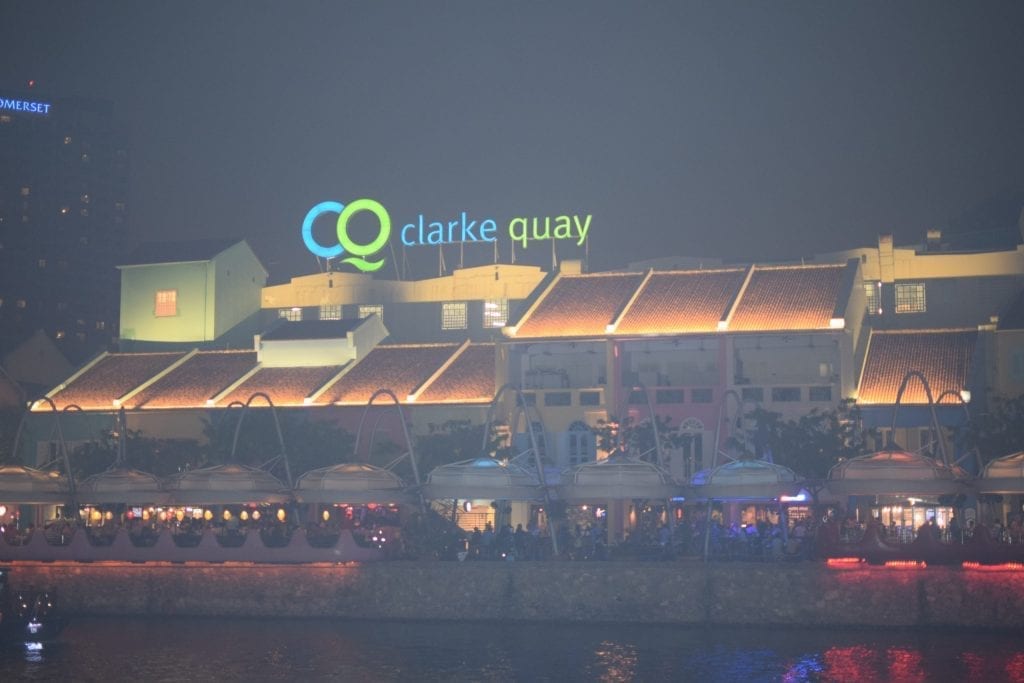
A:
(400, 368)
(112, 377)
(284, 386)
(580, 305)
(682, 302)
(942, 356)
(470, 378)
(201, 377)
(788, 298)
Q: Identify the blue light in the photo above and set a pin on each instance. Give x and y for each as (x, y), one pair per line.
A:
(307, 230)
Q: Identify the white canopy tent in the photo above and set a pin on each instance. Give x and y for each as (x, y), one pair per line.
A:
(355, 483)
(226, 485)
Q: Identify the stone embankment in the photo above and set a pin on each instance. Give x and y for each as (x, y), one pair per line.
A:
(803, 594)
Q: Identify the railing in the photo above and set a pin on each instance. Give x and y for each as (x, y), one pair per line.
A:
(208, 546)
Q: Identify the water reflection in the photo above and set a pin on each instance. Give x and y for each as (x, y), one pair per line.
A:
(236, 649)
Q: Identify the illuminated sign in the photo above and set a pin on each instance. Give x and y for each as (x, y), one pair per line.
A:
(460, 230)
(25, 106)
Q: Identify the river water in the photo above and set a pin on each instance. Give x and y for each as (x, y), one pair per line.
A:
(99, 649)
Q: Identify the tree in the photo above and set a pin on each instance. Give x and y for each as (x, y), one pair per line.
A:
(1000, 431)
(310, 444)
(813, 443)
(637, 437)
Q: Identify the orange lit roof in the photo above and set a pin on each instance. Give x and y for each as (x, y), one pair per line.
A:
(470, 378)
(284, 386)
(110, 378)
(400, 368)
(788, 298)
(942, 356)
(201, 377)
(682, 302)
(580, 305)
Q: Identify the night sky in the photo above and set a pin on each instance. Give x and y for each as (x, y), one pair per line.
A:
(753, 130)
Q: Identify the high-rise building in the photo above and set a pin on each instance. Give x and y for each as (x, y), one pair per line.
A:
(63, 220)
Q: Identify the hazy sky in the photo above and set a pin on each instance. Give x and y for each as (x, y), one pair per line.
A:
(750, 130)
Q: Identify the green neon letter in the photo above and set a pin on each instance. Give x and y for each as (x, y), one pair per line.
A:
(373, 247)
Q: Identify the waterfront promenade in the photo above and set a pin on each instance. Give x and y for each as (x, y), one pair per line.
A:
(678, 592)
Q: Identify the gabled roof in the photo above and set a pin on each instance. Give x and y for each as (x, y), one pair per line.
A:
(580, 305)
(284, 386)
(758, 299)
(401, 368)
(178, 252)
(469, 379)
(191, 384)
(109, 378)
(942, 356)
(788, 298)
(682, 302)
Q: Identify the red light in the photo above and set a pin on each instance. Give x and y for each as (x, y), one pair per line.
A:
(32, 83)
(906, 564)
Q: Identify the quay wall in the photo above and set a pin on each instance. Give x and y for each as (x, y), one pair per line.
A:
(800, 594)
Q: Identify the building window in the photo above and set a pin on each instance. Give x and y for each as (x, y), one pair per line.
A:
(873, 296)
(366, 310)
(702, 395)
(668, 396)
(26, 191)
(21, 303)
(101, 325)
(166, 303)
(820, 393)
(590, 398)
(59, 334)
(637, 397)
(558, 398)
(293, 314)
(529, 398)
(785, 394)
(41, 263)
(330, 312)
(753, 394)
(495, 312)
(910, 298)
(453, 315)
(581, 443)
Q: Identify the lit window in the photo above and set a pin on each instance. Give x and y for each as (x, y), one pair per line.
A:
(5, 119)
(119, 206)
(101, 325)
(910, 298)
(64, 210)
(59, 334)
(366, 310)
(85, 198)
(84, 211)
(62, 305)
(873, 295)
(330, 312)
(166, 303)
(293, 314)
(80, 336)
(26, 191)
(21, 303)
(495, 312)
(85, 158)
(67, 139)
(41, 263)
(453, 315)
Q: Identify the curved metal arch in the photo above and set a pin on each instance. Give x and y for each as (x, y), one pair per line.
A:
(277, 426)
(916, 374)
(72, 493)
(405, 429)
(740, 403)
(522, 410)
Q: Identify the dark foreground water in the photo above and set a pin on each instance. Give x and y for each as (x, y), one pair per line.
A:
(233, 649)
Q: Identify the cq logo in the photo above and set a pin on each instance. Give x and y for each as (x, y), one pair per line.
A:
(345, 243)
